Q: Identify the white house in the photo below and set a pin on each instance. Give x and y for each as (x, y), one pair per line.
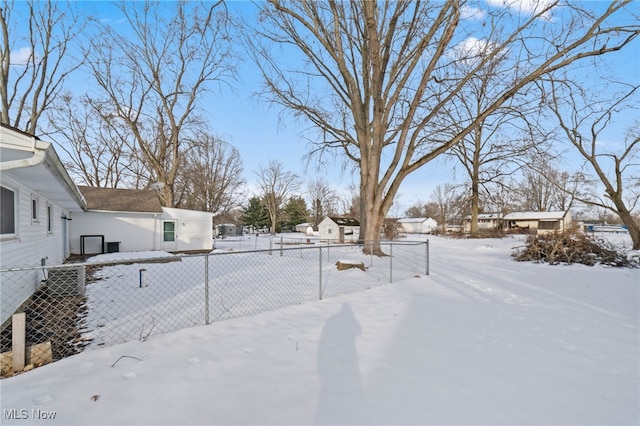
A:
(339, 229)
(540, 222)
(492, 221)
(133, 220)
(302, 227)
(37, 198)
(420, 225)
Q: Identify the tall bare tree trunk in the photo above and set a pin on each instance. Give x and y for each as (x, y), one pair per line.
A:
(385, 78)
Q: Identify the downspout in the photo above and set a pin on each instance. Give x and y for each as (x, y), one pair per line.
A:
(155, 231)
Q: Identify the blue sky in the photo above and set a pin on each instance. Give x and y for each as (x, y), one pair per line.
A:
(262, 132)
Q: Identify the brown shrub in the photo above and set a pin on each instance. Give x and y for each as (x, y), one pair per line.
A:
(572, 247)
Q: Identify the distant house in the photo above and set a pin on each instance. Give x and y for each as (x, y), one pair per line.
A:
(421, 225)
(302, 227)
(486, 221)
(133, 220)
(339, 229)
(538, 222)
(37, 198)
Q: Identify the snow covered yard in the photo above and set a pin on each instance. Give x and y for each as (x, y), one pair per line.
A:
(123, 306)
(482, 340)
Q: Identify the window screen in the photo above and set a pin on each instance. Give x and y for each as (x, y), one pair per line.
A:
(169, 231)
(8, 211)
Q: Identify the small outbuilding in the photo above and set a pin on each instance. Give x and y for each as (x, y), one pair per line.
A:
(538, 222)
(418, 225)
(133, 220)
(339, 229)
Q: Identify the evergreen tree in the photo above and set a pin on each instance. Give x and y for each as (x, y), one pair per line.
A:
(295, 212)
(255, 214)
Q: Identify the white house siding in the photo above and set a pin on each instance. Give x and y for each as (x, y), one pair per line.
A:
(31, 244)
(541, 222)
(134, 231)
(328, 230)
(142, 231)
(418, 225)
(486, 221)
(194, 228)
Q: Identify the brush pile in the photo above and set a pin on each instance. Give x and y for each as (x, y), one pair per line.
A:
(573, 247)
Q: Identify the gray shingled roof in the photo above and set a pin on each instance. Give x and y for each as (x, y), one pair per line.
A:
(121, 200)
(345, 221)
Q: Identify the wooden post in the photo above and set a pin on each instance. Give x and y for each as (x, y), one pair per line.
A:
(18, 326)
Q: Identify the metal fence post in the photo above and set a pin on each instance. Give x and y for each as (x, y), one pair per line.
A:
(281, 244)
(370, 253)
(391, 261)
(328, 254)
(320, 271)
(206, 289)
(427, 250)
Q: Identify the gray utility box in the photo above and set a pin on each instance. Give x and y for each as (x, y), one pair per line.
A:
(113, 246)
(66, 281)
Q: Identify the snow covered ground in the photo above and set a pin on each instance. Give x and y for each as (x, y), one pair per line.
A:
(482, 340)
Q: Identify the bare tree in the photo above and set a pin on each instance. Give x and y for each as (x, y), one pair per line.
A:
(323, 199)
(375, 77)
(276, 186)
(422, 209)
(35, 58)
(543, 188)
(501, 197)
(350, 202)
(210, 178)
(498, 146)
(449, 201)
(583, 122)
(154, 76)
(94, 144)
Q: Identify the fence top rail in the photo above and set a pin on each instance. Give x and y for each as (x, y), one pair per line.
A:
(177, 258)
(163, 259)
(311, 246)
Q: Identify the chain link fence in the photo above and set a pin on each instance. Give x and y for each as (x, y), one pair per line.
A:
(80, 306)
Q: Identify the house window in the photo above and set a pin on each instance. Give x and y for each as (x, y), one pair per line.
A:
(546, 224)
(35, 209)
(169, 229)
(49, 218)
(7, 211)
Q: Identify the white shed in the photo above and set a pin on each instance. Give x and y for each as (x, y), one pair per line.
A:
(339, 229)
(418, 225)
(37, 196)
(133, 220)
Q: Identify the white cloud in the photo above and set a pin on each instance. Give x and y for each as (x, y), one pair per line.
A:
(469, 48)
(21, 57)
(524, 6)
(474, 13)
